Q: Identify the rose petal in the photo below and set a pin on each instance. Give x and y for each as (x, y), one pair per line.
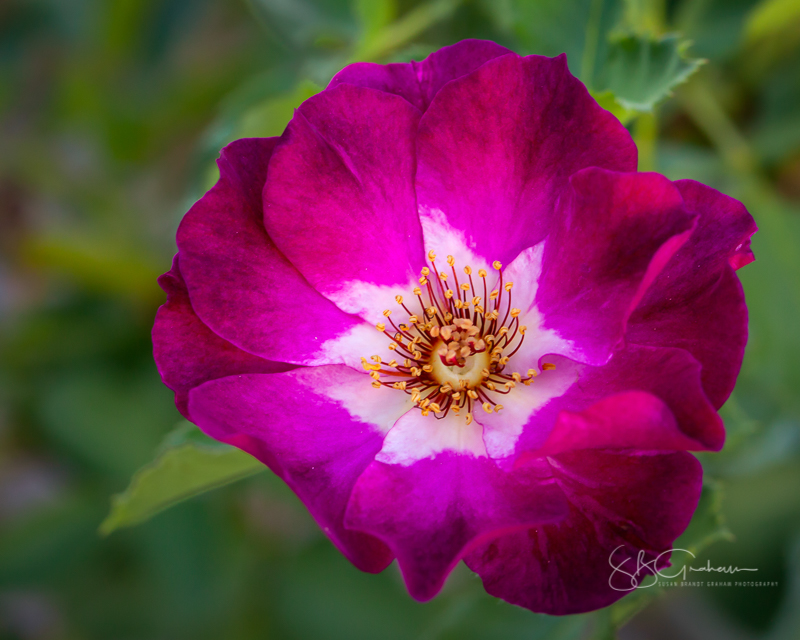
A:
(239, 284)
(651, 398)
(620, 503)
(419, 82)
(302, 421)
(340, 201)
(615, 233)
(496, 176)
(697, 303)
(432, 512)
(188, 353)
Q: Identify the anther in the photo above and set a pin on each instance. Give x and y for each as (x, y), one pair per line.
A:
(451, 260)
(427, 368)
(387, 312)
(548, 366)
(487, 407)
(508, 286)
(398, 299)
(515, 312)
(468, 418)
(425, 271)
(496, 264)
(431, 255)
(472, 394)
(380, 326)
(468, 270)
(417, 291)
(482, 273)
(376, 384)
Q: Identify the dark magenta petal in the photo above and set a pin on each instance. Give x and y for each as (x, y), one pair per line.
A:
(340, 202)
(614, 234)
(623, 501)
(646, 397)
(188, 353)
(497, 147)
(308, 437)
(697, 302)
(419, 82)
(239, 284)
(432, 512)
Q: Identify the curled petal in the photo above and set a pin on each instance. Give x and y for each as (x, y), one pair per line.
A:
(615, 233)
(697, 302)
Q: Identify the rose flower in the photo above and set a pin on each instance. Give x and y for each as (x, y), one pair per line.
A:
(448, 312)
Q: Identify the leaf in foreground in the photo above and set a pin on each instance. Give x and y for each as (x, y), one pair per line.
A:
(640, 71)
(187, 465)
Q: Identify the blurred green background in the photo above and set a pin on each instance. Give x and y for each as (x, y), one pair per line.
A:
(111, 115)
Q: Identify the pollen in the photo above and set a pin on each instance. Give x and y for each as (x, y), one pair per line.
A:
(453, 353)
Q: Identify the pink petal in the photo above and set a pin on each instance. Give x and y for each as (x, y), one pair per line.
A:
(636, 501)
(432, 512)
(615, 233)
(497, 176)
(239, 284)
(304, 431)
(188, 353)
(419, 82)
(697, 302)
(339, 201)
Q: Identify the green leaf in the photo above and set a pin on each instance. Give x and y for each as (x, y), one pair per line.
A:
(641, 71)
(609, 102)
(188, 464)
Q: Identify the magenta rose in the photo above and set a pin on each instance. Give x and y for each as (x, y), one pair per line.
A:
(448, 312)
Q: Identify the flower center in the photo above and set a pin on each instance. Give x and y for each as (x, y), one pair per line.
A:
(454, 349)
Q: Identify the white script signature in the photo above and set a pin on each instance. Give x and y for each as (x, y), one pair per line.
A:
(627, 575)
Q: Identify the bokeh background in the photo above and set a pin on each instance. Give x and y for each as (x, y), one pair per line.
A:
(111, 115)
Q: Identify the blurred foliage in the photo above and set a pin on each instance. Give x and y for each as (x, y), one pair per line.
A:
(111, 116)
